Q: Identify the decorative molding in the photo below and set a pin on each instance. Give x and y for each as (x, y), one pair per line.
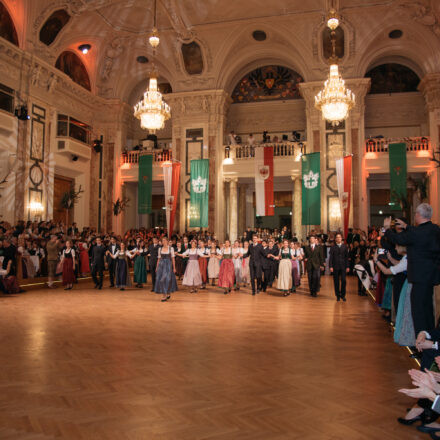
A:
(430, 87)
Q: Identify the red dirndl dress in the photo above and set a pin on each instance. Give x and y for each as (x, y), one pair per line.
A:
(226, 276)
(203, 266)
(68, 274)
(84, 264)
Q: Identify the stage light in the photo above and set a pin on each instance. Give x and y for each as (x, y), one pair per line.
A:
(84, 48)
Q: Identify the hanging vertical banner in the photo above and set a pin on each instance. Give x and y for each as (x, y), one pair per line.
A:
(145, 184)
(171, 179)
(199, 196)
(343, 178)
(264, 181)
(311, 189)
(397, 156)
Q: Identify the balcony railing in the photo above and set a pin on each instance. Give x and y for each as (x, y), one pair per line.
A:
(132, 157)
(281, 149)
(380, 145)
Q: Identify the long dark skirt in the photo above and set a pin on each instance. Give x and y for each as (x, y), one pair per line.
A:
(140, 270)
(165, 278)
(121, 273)
(180, 267)
(68, 273)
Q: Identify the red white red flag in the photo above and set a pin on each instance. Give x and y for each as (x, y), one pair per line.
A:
(343, 177)
(264, 181)
(171, 178)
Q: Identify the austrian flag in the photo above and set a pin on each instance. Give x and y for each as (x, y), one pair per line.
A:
(264, 181)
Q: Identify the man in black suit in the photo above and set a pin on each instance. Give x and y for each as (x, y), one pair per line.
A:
(256, 254)
(265, 266)
(339, 266)
(272, 250)
(97, 263)
(112, 248)
(153, 254)
(423, 252)
(314, 257)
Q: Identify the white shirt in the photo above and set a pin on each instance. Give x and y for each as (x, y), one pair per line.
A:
(170, 251)
(401, 266)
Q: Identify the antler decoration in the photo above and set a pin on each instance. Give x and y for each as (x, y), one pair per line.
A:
(120, 205)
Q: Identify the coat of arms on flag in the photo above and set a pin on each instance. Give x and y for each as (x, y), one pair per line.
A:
(264, 172)
(345, 196)
(311, 180)
(199, 185)
(170, 202)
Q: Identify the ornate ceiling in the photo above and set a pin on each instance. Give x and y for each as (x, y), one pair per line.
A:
(225, 50)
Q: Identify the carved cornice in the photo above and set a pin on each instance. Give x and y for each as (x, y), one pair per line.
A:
(430, 87)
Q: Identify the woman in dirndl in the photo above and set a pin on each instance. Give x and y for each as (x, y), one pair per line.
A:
(226, 277)
(166, 266)
(213, 264)
(122, 267)
(140, 265)
(203, 262)
(296, 273)
(285, 269)
(237, 254)
(192, 277)
(68, 261)
(180, 269)
(84, 263)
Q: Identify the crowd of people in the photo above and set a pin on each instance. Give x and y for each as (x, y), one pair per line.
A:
(399, 262)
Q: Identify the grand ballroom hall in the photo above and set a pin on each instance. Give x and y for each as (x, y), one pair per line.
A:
(218, 219)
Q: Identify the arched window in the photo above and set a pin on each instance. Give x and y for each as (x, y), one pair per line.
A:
(69, 63)
(7, 28)
(327, 49)
(53, 26)
(268, 83)
(192, 58)
(392, 78)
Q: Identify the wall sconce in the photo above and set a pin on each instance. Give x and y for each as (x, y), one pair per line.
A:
(36, 209)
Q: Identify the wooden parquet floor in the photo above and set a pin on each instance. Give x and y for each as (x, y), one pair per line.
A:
(90, 364)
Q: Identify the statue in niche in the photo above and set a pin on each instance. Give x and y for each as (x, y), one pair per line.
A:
(71, 65)
(53, 25)
(327, 50)
(192, 58)
(7, 28)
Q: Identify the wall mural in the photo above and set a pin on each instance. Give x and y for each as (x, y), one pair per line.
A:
(392, 78)
(268, 83)
(192, 58)
(7, 28)
(53, 26)
(71, 65)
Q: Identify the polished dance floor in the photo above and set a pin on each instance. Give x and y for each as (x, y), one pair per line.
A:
(90, 364)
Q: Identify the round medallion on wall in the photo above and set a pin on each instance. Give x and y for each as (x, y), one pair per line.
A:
(36, 174)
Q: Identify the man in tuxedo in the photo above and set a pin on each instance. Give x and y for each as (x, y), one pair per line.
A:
(97, 263)
(423, 253)
(265, 266)
(272, 249)
(153, 254)
(339, 266)
(112, 248)
(314, 257)
(256, 254)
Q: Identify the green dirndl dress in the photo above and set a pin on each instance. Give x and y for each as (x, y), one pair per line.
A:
(140, 269)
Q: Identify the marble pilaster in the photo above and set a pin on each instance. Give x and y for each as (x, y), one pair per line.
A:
(233, 210)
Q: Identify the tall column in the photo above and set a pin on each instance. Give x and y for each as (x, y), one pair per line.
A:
(430, 87)
(297, 207)
(233, 209)
(242, 209)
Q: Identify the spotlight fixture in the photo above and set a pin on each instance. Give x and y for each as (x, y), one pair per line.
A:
(21, 113)
(74, 158)
(97, 145)
(84, 48)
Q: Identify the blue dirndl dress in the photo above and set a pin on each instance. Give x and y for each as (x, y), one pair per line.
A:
(165, 278)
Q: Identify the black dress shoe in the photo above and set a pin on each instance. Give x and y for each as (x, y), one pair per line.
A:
(96, 286)
(343, 299)
(338, 299)
(112, 285)
(427, 429)
(253, 292)
(100, 288)
(408, 422)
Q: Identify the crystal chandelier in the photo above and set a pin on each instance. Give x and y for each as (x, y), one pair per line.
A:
(335, 100)
(152, 110)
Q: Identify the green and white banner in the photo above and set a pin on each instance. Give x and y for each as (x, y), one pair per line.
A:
(145, 184)
(311, 189)
(398, 174)
(199, 201)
